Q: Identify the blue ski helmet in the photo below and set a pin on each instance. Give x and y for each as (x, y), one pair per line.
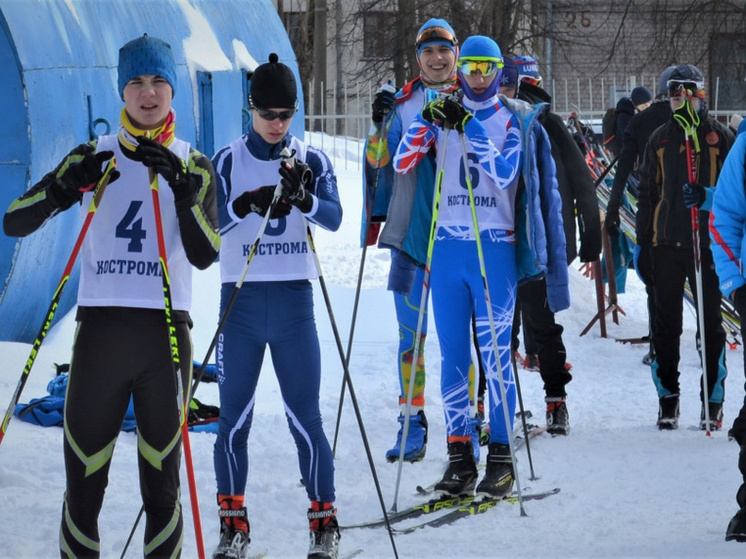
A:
(480, 49)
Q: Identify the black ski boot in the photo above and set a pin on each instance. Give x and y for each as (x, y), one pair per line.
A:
(558, 418)
(668, 412)
(324, 531)
(498, 480)
(461, 475)
(234, 530)
(716, 417)
(737, 527)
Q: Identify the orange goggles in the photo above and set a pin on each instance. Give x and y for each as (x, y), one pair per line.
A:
(435, 34)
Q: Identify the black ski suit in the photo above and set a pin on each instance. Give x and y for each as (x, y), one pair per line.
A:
(121, 350)
(664, 228)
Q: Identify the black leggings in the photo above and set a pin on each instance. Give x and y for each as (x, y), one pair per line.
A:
(120, 353)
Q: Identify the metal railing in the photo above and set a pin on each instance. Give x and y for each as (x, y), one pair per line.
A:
(344, 132)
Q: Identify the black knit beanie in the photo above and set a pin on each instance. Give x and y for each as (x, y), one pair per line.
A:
(273, 86)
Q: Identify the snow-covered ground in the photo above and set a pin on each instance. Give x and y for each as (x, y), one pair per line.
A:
(627, 489)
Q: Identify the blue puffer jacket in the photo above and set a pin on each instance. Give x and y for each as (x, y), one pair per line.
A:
(540, 233)
(728, 220)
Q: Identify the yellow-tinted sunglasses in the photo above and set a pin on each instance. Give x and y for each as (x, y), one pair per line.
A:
(485, 67)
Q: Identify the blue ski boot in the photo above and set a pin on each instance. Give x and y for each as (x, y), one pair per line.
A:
(416, 442)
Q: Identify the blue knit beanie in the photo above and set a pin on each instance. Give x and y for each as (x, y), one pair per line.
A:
(509, 76)
(146, 55)
(480, 47)
(435, 38)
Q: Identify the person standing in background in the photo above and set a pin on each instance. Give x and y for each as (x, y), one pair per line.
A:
(404, 202)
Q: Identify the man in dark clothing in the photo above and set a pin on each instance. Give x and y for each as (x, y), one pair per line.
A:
(578, 196)
(635, 138)
(682, 161)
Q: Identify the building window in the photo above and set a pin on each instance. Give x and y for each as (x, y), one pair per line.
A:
(298, 30)
(727, 72)
(378, 35)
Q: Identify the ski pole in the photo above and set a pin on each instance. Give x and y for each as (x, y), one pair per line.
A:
(692, 155)
(421, 312)
(348, 382)
(224, 318)
(606, 171)
(285, 153)
(493, 331)
(98, 193)
(175, 364)
(368, 220)
(523, 415)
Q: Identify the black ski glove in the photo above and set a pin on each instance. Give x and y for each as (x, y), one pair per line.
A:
(79, 174)
(611, 223)
(258, 201)
(446, 111)
(296, 179)
(694, 194)
(167, 164)
(383, 102)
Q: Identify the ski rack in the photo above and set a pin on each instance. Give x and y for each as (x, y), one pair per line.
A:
(597, 159)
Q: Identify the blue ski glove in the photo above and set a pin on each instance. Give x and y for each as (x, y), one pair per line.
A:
(694, 194)
(296, 179)
(258, 201)
(446, 111)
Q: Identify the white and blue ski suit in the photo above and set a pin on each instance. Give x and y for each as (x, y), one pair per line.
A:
(274, 307)
(493, 155)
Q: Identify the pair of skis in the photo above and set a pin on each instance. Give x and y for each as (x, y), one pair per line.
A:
(448, 503)
(456, 507)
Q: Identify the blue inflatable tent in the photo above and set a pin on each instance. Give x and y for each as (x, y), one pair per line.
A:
(58, 61)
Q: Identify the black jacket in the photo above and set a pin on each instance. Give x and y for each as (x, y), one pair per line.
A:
(662, 216)
(625, 110)
(635, 138)
(574, 180)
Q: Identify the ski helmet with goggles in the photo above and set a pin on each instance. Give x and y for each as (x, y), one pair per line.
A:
(686, 78)
(480, 55)
(436, 31)
(528, 70)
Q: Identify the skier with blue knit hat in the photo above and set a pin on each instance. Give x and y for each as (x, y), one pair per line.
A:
(146, 55)
(492, 137)
(404, 203)
(121, 348)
